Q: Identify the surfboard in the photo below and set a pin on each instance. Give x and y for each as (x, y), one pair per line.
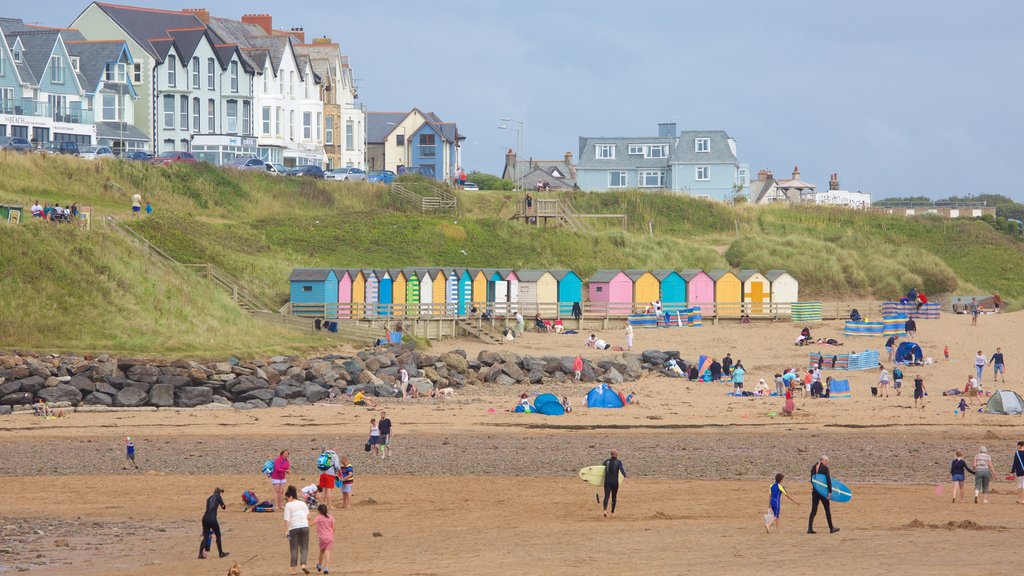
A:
(595, 475)
(840, 492)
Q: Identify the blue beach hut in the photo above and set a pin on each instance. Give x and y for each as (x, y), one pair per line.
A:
(314, 286)
(673, 290)
(570, 289)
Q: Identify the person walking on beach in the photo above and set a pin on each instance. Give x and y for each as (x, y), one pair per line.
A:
(979, 365)
(821, 467)
(577, 368)
(374, 440)
(737, 378)
(975, 310)
(129, 453)
(919, 390)
(325, 537)
(629, 336)
(385, 435)
(775, 503)
(883, 381)
(890, 346)
(910, 327)
(520, 324)
(897, 379)
(296, 519)
(972, 390)
(956, 472)
(998, 367)
(211, 527)
(347, 476)
(279, 477)
(983, 471)
(1018, 471)
(612, 468)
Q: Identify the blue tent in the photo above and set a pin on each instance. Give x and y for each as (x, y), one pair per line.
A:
(551, 409)
(909, 353)
(544, 399)
(603, 397)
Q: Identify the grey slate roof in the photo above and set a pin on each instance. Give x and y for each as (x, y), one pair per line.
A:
(530, 275)
(720, 153)
(745, 275)
(93, 58)
(38, 46)
(144, 24)
(561, 274)
(604, 275)
(690, 274)
(623, 160)
(377, 127)
(635, 275)
(773, 275)
(309, 274)
(716, 274)
(662, 274)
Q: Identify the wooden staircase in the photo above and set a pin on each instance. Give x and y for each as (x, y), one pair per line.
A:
(560, 212)
(440, 200)
(480, 332)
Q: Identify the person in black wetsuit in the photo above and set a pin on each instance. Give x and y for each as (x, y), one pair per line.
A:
(612, 468)
(821, 467)
(211, 527)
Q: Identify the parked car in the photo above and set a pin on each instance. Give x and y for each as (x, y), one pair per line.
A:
(470, 186)
(346, 174)
(12, 144)
(172, 157)
(54, 148)
(311, 170)
(95, 153)
(136, 156)
(382, 176)
(276, 169)
(246, 164)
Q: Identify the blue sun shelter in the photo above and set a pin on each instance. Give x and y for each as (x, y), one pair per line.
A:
(548, 405)
(604, 397)
(385, 282)
(570, 290)
(909, 353)
(314, 292)
(465, 291)
(673, 290)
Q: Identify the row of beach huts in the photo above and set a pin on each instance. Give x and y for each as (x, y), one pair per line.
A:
(354, 293)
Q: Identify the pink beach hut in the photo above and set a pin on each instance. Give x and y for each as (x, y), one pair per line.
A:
(700, 288)
(610, 291)
(344, 293)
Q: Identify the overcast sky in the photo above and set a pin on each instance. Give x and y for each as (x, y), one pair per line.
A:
(904, 97)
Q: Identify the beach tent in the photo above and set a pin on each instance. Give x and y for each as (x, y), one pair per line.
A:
(756, 291)
(604, 397)
(570, 290)
(412, 291)
(839, 389)
(646, 288)
(548, 405)
(465, 291)
(673, 290)
(1005, 402)
(399, 291)
(908, 349)
(344, 293)
(700, 288)
(538, 292)
(728, 293)
(543, 399)
(611, 291)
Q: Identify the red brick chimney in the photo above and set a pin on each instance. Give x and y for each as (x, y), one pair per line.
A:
(764, 175)
(265, 21)
(201, 13)
(572, 167)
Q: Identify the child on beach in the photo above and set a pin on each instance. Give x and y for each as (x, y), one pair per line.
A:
(962, 407)
(945, 351)
(919, 390)
(347, 477)
(956, 472)
(324, 523)
(775, 504)
(129, 453)
(883, 381)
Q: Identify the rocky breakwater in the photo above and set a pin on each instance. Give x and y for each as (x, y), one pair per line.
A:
(74, 380)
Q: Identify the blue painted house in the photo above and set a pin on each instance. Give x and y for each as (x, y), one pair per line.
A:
(314, 286)
(700, 163)
(570, 289)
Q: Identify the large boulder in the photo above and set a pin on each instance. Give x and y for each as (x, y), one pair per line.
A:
(130, 397)
(313, 392)
(105, 388)
(288, 391)
(144, 386)
(612, 376)
(278, 403)
(258, 404)
(175, 381)
(61, 393)
(83, 383)
(15, 398)
(587, 374)
(384, 390)
(513, 370)
(422, 385)
(531, 363)
(192, 396)
(353, 366)
(488, 358)
(141, 373)
(10, 388)
(455, 362)
(536, 376)
(509, 357)
(506, 380)
(32, 384)
(430, 373)
(98, 399)
(161, 395)
(631, 367)
(656, 357)
(425, 360)
(5, 410)
(245, 384)
(264, 394)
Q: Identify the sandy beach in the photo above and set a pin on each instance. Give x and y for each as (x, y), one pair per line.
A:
(475, 491)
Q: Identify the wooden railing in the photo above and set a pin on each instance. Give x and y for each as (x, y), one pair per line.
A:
(440, 200)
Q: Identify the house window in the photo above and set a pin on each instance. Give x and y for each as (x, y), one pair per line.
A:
(329, 130)
(56, 70)
(197, 115)
(291, 124)
(307, 288)
(266, 82)
(137, 72)
(110, 108)
(169, 111)
(598, 288)
(6, 101)
(246, 117)
(319, 123)
(703, 173)
(75, 64)
(277, 124)
(350, 137)
(652, 179)
(196, 73)
(17, 55)
(635, 149)
(428, 147)
(399, 138)
(280, 84)
(742, 177)
(211, 73)
(702, 144)
(606, 151)
(232, 115)
(266, 120)
(114, 72)
(172, 70)
(656, 151)
(234, 77)
(3, 63)
(183, 113)
(291, 83)
(211, 116)
(616, 179)
(307, 125)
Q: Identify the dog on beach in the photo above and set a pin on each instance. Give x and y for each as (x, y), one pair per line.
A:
(235, 570)
(445, 392)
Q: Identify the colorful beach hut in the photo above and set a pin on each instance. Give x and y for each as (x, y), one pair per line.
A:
(673, 290)
(700, 288)
(314, 292)
(756, 291)
(426, 291)
(412, 291)
(611, 291)
(785, 288)
(570, 290)
(440, 290)
(538, 292)
(497, 292)
(481, 281)
(513, 289)
(384, 292)
(344, 292)
(452, 292)
(646, 288)
(728, 293)
(358, 293)
(465, 291)
(372, 288)
(398, 291)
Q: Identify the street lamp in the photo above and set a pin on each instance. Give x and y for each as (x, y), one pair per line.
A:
(405, 146)
(519, 148)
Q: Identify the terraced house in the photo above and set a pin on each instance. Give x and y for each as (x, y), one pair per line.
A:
(698, 162)
(344, 131)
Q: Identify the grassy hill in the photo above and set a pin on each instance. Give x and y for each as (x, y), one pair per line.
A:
(259, 227)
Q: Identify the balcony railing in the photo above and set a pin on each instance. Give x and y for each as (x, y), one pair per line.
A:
(29, 107)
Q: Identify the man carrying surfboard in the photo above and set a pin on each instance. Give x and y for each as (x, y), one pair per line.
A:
(612, 468)
(821, 469)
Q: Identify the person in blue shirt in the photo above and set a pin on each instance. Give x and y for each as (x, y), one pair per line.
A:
(129, 456)
(775, 503)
